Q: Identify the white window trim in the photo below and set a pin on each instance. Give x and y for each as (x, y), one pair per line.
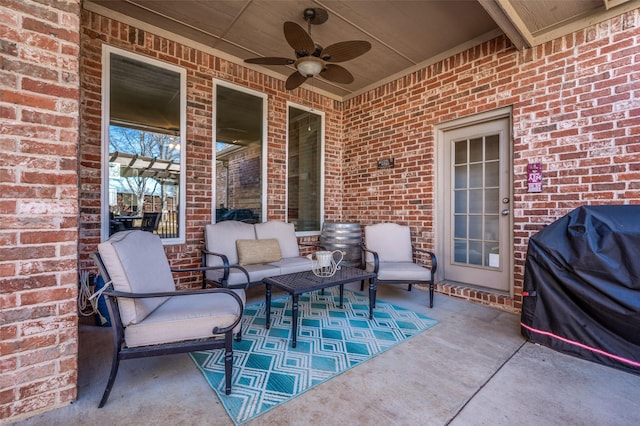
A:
(106, 119)
(263, 162)
(322, 168)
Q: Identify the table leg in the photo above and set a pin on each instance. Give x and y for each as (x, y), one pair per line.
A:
(268, 305)
(294, 319)
(341, 294)
(372, 296)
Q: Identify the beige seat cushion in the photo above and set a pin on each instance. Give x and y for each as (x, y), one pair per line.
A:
(251, 252)
(221, 238)
(284, 232)
(256, 273)
(391, 241)
(137, 263)
(291, 265)
(184, 318)
(401, 271)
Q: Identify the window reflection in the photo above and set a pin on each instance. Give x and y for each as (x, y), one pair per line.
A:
(145, 152)
(304, 192)
(239, 155)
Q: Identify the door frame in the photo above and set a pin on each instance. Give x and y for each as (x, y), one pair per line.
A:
(441, 168)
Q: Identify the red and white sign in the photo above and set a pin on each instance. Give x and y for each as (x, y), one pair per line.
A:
(534, 177)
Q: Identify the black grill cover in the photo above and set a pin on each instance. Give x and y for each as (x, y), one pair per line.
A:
(581, 292)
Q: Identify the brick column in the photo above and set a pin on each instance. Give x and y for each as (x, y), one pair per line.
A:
(39, 104)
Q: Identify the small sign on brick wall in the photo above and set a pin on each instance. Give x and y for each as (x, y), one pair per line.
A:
(534, 177)
(386, 163)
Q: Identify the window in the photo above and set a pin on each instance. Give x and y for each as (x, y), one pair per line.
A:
(305, 171)
(239, 117)
(143, 144)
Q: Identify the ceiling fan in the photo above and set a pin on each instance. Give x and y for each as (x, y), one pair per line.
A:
(313, 60)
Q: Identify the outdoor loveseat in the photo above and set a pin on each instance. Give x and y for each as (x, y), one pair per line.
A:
(263, 249)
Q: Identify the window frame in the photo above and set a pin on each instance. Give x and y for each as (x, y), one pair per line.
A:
(321, 114)
(106, 120)
(263, 149)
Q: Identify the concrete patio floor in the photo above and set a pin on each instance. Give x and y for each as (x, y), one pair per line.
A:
(473, 368)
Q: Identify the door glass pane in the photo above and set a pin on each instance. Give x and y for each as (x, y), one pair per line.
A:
(491, 201)
(492, 147)
(491, 230)
(475, 176)
(460, 201)
(475, 227)
(460, 176)
(475, 150)
(239, 121)
(460, 152)
(475, 201)
(492, 174)
(460, 251)
(475, 252)
(491, 255)
(460, 226)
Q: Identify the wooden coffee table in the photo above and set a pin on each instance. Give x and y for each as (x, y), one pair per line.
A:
(303, 282)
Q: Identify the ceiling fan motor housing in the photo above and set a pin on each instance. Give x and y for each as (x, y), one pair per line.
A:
(315, 15)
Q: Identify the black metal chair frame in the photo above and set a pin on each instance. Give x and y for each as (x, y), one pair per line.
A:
(121, 352)
(223, 283)
(376, 260)
(150, 221)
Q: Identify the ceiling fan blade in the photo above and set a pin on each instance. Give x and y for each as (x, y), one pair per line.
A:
(345, 50)
(337, 74)
(298, 38)
(270, 61)
(295, 80)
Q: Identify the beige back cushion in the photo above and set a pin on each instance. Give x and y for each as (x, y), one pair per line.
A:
(284, 232)
(391, 241)
(251, 252)
(221, 238)
(136, 263)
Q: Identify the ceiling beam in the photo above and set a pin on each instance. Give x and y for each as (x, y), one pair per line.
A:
(608, 4)
(509, 22)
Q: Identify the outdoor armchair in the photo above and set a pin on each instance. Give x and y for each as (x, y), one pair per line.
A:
(149, 317)
(388, 252)
(150, 221)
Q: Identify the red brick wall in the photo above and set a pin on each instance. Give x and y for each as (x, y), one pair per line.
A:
(39, 105)
(201, 68)
(576, 109)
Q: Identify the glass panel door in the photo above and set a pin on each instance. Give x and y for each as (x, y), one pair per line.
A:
(477, 226)
(477, 201)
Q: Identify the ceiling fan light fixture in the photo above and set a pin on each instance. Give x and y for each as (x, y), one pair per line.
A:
(309, 66)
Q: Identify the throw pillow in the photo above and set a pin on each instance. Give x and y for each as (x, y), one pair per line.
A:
(251, 252)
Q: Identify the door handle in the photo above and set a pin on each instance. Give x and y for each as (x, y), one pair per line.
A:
(505, 212)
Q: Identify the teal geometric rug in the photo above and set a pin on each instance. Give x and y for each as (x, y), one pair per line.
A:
(267, 371)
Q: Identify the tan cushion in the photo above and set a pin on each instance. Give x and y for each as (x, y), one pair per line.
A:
(284, 232)
(289, 265)
(221, 238)
(256, 273)
(137, 263)
(251, 252)
(391, 241)
(401, 271)
(184, 318)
